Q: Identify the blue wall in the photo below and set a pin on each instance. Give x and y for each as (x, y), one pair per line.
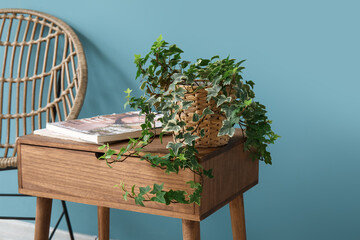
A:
(304, 58)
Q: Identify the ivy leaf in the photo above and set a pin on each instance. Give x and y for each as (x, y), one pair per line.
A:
(196, 198)
(152, 100)
(251, 83)
(133, 189)
(178, 196)
(125, 195)
(128, 91)
(102, 147)
(212, 92)
(221, 99)
(248, 102)
(144, 190)
(157, 188)
(189, 129)
(139, 200)
(227, 129)
(202, 132)
(137, 59)
(193, 184)
(171, 126)
(186, 104)
(202, 62)
(228, 110)
(208, 173)
(174, 146)
(159, 197)
(196, 117)
(159, 38)
(189, 138)
(178, 78)
(207, 111)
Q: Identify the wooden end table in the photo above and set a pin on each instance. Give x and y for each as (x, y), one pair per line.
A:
(51, 168)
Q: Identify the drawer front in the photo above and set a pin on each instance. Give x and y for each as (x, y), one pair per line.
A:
(79, 176)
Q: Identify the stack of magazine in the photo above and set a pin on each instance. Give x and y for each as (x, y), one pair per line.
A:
(99, 129)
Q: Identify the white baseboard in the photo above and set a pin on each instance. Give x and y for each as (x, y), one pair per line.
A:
(19, 230)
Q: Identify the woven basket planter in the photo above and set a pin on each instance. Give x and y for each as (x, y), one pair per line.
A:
(211, 123)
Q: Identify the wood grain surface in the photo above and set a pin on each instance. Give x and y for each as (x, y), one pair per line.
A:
(70, 171)
(237, 214)
(43, 216)
(103, 223)
(191, 230)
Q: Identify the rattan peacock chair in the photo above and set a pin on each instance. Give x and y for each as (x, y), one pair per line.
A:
(43, 78)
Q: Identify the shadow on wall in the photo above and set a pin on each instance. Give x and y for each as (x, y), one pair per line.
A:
(106, 80)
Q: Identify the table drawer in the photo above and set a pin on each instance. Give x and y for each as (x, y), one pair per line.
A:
(79, 176)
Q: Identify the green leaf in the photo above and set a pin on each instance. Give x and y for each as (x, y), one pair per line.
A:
(186, 104)
(222, 99)
(248, 102)
(196, 117)
(208, 173)
(125, 195)
(189, 138)
(189, 129)
(159, 197)
(133, 190)
(212, 92)
(128, 91)
(207, 111)
(196, 198)
(174, 147)
(193, 184)
(160, 38)
(143, 85)
(137, 59)
(202, 62)
(102, 147)
(177, 195)
(157, 188)
(227, 129)
(228, 110)
(139, 200)
(144, 190)
(171, 126)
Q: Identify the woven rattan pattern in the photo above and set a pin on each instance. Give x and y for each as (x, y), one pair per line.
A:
(43, 75)
(211, 123)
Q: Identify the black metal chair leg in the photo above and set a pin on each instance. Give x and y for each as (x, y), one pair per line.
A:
(56, 226)
(67, 218)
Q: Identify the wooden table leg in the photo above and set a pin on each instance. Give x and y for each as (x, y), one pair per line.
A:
(103, 223)
(42, 219)
(191, 230)
(238, 218)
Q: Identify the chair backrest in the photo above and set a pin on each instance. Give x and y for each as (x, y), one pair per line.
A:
(43, 74)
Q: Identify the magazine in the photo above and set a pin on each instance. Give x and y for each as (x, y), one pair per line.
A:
(100, 129)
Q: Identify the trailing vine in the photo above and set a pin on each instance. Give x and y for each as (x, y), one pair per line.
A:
(162, 73)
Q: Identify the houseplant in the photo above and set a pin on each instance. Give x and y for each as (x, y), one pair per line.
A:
(169, 84)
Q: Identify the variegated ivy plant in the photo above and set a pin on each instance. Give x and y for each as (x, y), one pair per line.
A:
(162, 70)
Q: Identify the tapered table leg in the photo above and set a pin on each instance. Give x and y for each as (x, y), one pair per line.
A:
(103, 223)
(238, 218)
(42, 219)
(191, 230)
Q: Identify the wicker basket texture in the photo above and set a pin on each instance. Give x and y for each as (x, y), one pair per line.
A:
(210, 123)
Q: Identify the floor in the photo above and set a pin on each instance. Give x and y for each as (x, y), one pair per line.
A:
(19, 230)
